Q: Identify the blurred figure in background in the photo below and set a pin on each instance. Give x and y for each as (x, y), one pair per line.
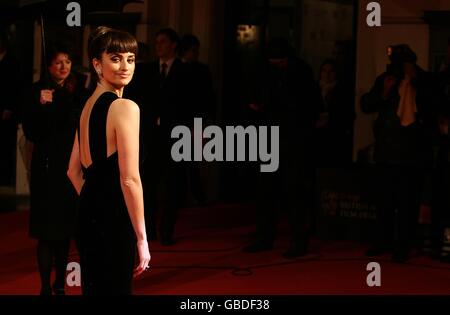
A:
(162, 91)
(290, 99)
(440, 213)
(334, 129)
(405, 100)
(50, 114)
(201, 103)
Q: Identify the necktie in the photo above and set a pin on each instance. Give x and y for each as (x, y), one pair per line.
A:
(163, 72)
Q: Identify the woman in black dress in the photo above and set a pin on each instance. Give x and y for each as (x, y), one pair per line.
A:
(334, 128)
(50, 114)
(104, 169)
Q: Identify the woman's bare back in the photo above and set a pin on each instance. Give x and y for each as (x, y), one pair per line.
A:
(85, 153)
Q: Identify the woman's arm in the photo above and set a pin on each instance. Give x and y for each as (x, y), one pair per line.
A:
(125, 116)
(75, 172)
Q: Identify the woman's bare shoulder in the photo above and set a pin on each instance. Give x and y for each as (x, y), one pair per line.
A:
(124, 106)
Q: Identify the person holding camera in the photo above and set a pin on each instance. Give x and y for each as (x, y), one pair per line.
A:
(405, 101)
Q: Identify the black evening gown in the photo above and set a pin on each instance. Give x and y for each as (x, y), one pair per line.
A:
(107, 242)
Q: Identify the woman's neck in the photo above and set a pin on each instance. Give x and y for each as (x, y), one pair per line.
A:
(109, 87)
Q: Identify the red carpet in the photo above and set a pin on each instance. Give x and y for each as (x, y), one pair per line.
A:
(207, 259)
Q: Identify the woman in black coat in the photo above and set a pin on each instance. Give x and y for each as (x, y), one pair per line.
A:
(334, 129)
(50, 114)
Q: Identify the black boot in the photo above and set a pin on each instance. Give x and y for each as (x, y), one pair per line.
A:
(61, 259)
(58, 291)
(46, 291)
(45, 261)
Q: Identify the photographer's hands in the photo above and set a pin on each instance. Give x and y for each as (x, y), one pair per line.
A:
(46, 97)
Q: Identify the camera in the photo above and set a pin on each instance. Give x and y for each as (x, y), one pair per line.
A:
(398, 55)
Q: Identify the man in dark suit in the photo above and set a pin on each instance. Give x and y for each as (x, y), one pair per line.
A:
(160, 89)
(201, 104)
(288, 98)
(200, 76)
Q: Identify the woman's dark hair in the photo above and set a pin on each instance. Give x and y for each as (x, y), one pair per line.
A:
(105, 39)
(55, 48)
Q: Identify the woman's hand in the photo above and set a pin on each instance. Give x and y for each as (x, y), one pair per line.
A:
(46, 96)
(144, 258)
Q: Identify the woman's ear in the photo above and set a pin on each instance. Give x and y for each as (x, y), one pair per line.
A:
(97, 66)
